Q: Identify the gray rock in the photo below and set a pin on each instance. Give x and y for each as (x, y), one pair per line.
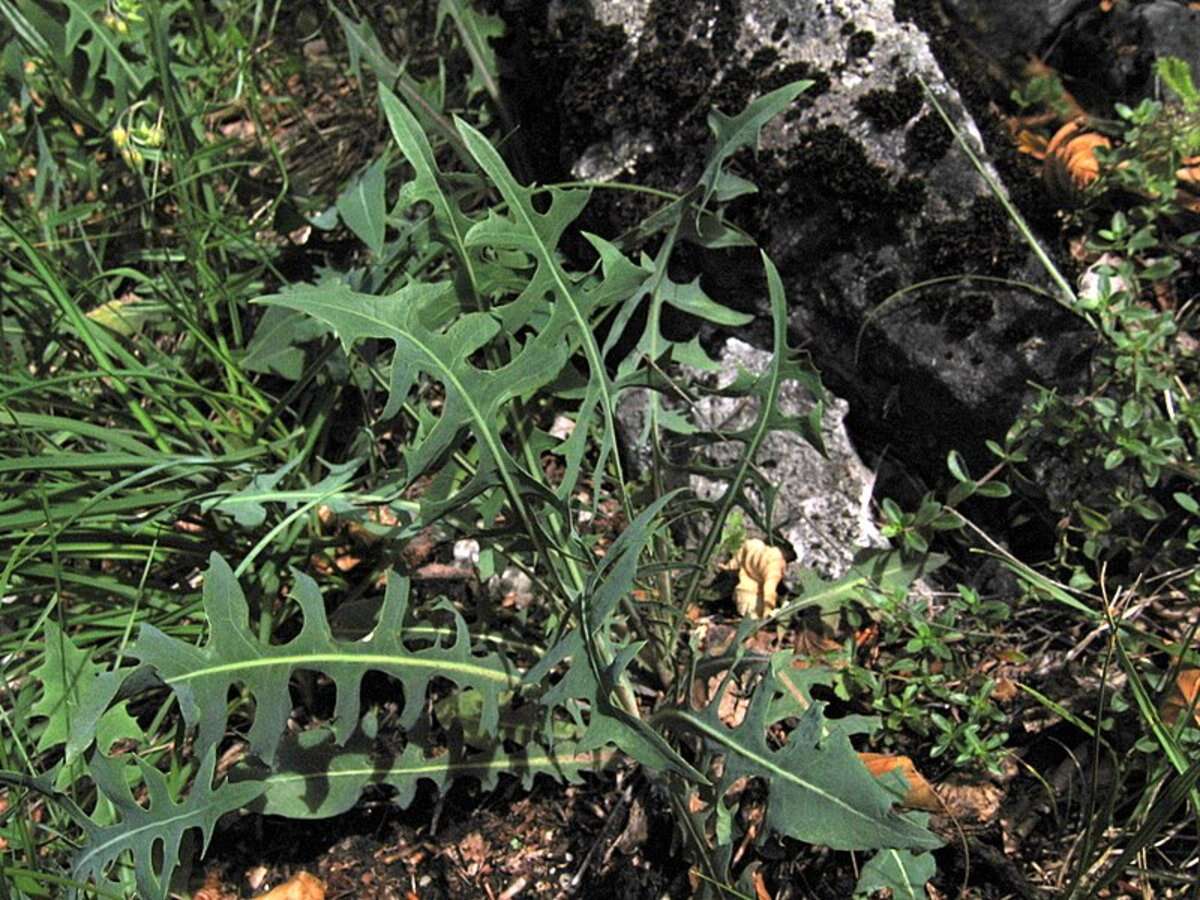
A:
(1015, 29)
(1171, 29)
(1105, 55)
(868, 210)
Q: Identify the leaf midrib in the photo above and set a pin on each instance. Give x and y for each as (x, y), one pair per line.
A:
(381, 660)
(433, 767)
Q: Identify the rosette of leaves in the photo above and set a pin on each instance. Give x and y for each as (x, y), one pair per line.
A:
(492, 328)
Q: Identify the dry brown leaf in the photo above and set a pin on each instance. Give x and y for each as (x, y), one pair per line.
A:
(302, 886)
(1182, 697)
(1030, 142)
(474, 849)
(1188, 195)
(1071, 164)
(920, 794)
(1005, 690)
(256, 877)
(212, 889)
(1190, 171)
(976, 802)
(733, 703)
(760, 569)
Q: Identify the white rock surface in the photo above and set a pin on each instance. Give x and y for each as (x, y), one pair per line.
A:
(824, 504)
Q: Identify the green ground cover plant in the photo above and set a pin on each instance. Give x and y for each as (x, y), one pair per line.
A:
(1129, 532)
(1115, 465)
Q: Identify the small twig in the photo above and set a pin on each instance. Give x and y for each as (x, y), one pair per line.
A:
(437, 815)
(603, 838)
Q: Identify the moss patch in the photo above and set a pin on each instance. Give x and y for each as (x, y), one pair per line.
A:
(891, 109)
(980, 243)
(927, 141)
(826, 184)
(963, 71)
(665, 91)
(797, 71)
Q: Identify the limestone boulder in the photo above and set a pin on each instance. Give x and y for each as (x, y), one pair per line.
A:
(906, 280)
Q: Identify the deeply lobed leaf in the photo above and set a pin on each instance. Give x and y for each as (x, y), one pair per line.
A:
(154, 833)
(315, 778)
(819, 790)
(201, 677)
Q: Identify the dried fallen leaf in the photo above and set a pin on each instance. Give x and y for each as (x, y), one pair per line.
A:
(1071, 164)
(1030, 142)
(302, 886)
(733, 704)
(256, 877)
(760, 569)
(1188, 195)
(919, 795)
(1182, 697)
(1005, 690)
(971, 802)
(211, 889)
(474, 850)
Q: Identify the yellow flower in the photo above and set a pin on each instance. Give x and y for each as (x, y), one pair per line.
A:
(120, 137)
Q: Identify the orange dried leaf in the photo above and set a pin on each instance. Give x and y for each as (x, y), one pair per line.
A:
(760, 886)
(1030, 142)
(1005, 690)
(1071, 164)
(1188, 195)
(1182, 697)
(920, 794)
(300, 887)
(1190, 171)
(760, 569)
